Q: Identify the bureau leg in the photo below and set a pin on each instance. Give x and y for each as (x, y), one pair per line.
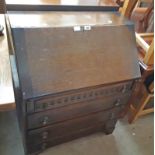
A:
(109, 130)
(109, 127)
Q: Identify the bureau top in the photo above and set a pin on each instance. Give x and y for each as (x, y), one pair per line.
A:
(65, 19)
(61, 51)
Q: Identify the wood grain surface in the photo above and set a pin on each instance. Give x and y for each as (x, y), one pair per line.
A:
(63, 61)
(6, 87)
(64, 2)
(58, 65)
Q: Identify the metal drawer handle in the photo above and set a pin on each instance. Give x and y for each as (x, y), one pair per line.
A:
(45, 120)
(45, 135)
(124, 89)
(44, 145)
(112, 116)
(118, 102)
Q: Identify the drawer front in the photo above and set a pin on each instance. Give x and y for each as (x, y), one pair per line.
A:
(37, 148)
(74, 110)
(41, 145)
(83, 95)
(71, 126)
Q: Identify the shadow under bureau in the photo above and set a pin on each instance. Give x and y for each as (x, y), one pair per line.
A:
(73, 73)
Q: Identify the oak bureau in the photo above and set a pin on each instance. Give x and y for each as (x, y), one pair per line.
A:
(73, 73)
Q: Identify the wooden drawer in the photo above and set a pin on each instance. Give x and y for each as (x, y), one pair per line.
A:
(74, 110)
(58, 130)
(35, 149)
(72, 97)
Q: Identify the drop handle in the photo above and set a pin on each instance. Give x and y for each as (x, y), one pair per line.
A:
(45, 135)
(44, 145)
(124, 89)
(117, 102)
(45, 120)
(112, 116)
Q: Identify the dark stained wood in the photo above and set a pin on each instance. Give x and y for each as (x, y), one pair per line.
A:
(68, 58)
(73, 135)
(73, 125)
(78, 96)
(70, 83)
(85, 132)
(75, 110)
